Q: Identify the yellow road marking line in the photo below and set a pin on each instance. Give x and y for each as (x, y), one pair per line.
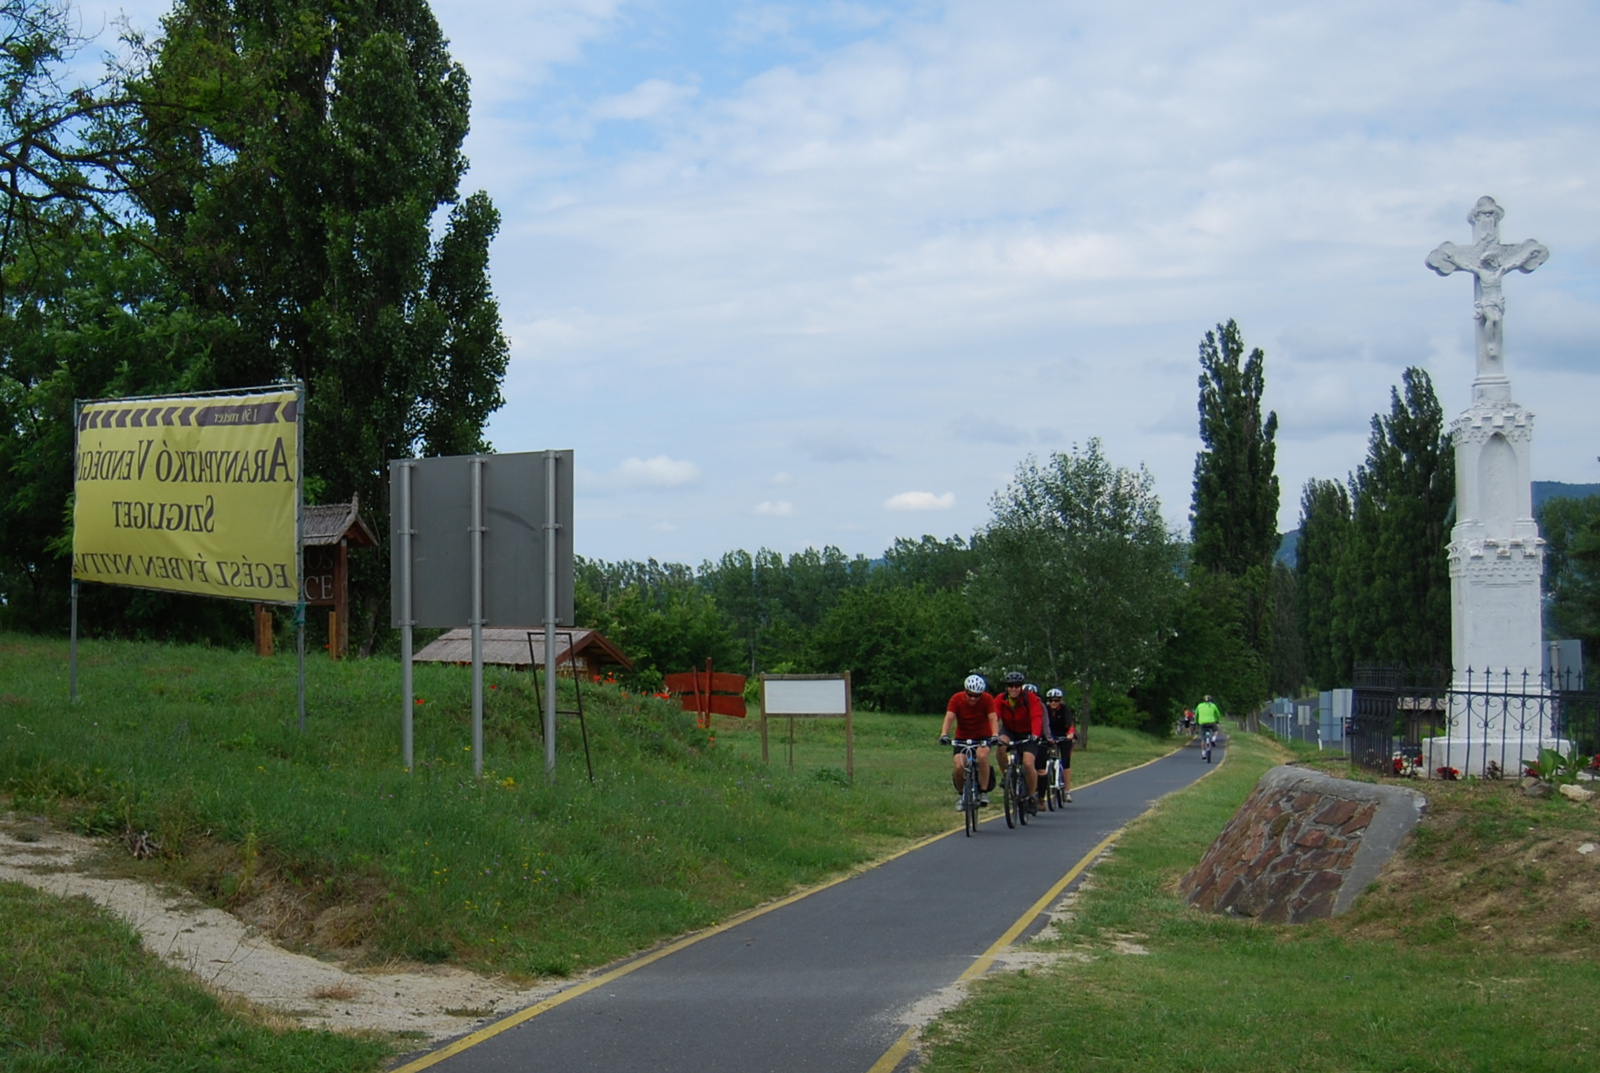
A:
(528, 1013)
(902, 1046)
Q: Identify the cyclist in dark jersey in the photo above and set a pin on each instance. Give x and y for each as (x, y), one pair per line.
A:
(1021, 717)
(971, 714)
(1061, 728)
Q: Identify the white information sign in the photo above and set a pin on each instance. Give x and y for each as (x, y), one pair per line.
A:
(805, 696)
(808, 696)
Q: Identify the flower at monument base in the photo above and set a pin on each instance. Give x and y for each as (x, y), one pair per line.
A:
(1449, 774)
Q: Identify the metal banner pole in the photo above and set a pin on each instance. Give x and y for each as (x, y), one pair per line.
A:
(72, 648)
(300, 537)
(550, 527)
(72, 660)
(477, 616)
(300, 641)
(405, 614)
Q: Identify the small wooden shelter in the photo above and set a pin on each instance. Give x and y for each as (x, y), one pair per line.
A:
(331, 530)
(586, 652)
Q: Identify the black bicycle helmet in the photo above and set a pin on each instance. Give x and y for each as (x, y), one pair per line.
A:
(1014, 678)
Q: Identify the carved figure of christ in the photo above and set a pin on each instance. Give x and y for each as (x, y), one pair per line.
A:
(1488, 259)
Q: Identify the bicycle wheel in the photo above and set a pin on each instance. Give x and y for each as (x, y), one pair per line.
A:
(1008, 789)
(1023, 806)
(969, 798)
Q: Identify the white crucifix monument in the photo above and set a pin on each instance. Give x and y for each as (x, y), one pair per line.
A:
(1500, 709)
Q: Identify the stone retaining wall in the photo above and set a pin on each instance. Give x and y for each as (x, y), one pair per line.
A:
(1301, 847)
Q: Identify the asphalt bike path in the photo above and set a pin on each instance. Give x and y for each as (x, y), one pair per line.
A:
(815, 983)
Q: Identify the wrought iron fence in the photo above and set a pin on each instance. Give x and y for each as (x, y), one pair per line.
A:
(1489, 723)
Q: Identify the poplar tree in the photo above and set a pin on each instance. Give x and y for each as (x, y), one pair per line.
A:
(1395, 570)
(1234, 517)
(1324, 537)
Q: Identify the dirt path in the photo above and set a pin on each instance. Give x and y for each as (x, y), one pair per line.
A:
(431, 1002)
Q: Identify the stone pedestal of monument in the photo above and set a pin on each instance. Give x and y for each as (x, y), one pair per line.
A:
(1500, 710)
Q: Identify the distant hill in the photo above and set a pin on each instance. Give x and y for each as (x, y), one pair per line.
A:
(1289, 544)
(1546, 490)
(1289, 548)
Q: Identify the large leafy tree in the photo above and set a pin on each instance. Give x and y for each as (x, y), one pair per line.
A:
(657, 613)
(64, 144)
(1234, 519)
(302, 174)
(1396, 571)
(1077, 575)
(906, 646)
(1203, 651)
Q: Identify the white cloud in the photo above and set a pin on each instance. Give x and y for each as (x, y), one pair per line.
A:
(920, 501)
(781, 509)
(647, 100)
(664, 527)
(658, 472)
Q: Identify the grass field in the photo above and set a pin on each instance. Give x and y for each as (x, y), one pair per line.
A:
(1216, 993)
(324, 840)
(78, 992)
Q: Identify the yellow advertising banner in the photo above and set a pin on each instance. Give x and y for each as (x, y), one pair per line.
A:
(196, 494)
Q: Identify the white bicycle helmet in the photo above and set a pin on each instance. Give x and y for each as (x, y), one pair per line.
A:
(1054, 694)
(975, 683)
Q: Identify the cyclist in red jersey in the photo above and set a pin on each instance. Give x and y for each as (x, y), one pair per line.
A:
(1021, 716)
(971, 714)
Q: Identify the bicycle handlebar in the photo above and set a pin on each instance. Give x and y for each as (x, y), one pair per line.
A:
(966, 743)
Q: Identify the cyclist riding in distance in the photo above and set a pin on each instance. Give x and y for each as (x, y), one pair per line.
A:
(971, 714)
(1207, 715)
(1021, 717)
(1061, 728)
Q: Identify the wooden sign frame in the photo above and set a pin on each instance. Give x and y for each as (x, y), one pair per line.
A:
(796, 705)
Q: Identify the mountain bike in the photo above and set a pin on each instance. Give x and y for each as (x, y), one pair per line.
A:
(1015, 783)
(1050, 780)
(969, 803)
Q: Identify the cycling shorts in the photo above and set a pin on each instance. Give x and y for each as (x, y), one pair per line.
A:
(1034, 748)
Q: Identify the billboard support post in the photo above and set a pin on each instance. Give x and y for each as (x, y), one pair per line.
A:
(300, 545)
(405, 612)
(72, 647)
(490, 571)
(477, 617)
(550, 527)
(72, 661)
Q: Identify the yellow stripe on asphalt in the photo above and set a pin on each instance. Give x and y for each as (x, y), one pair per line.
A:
(896, 1054)
(530, 1012)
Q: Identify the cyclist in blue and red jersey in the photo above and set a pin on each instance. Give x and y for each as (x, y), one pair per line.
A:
(1021, 718)
(971, 714)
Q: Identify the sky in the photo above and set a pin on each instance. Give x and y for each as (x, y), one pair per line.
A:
(824, 273)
